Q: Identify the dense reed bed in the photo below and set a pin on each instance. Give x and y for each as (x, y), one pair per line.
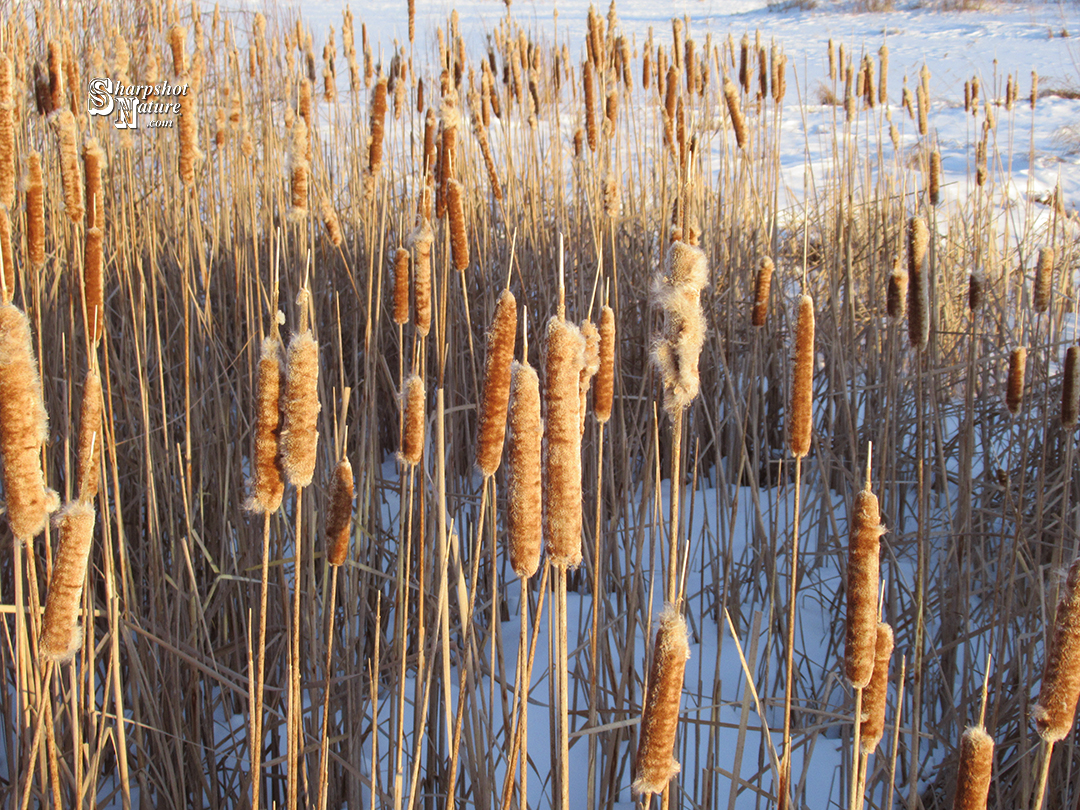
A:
(270, 357)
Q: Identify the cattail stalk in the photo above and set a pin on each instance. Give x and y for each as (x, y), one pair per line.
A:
(496, 393)
(61, 635)
(1014, 390)
(655, 764)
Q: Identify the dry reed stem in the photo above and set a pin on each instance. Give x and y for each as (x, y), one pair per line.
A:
(496, 394)
(802, 386)
(655, 763)
(299, 433)
(1044, 276)
(604, 388)
(35, 211)
(7, 133)
(918, 237)
(413, 396)
(94, 284)
(761, 291)
(1070, 388)
(524, 495)
(70, 175)
(61, 634)
(7, 257)
(267, 483)
(872, 723)
(973, 772)
(401, 286)
(339, 513)
(1056, 708)
(862, 588)
(589, 370)
(459, 240)
(24, 428)
(1014, 388)
(90, 439)
(677, 290)
(563, 360)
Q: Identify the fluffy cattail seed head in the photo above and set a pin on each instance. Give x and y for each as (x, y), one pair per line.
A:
(524, 495)
(973, 772)
(802, 387)
(24, 428)
(1044, 276)
(496, 394)
(7, 133)
(655, 764)
(677, 350)
(35, 211)
(862, 587)
(918, 291)
(761, 291)
(1014, 391)
(563, 361)
(1070, 388)
(267, 483)
(177, 37)
(330, 221)
(738, 122)
(401, 286)
(604, 389)
(872, 725)
(422, 239)
(1056, 708)
(90, 439)
(459, 240)
(412, 416)
(339, 513)
(70, 174)
(61, 635)
(299, 434)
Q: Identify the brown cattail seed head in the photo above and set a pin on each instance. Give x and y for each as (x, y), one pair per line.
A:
(422, 239)
(918, 292)
(496, 395)
(339, 513)
(1044, 276)
(7, 133)
(802, 387)
(896, 298)
(69, 166)
(975, 291)
(590, 104)
(401, 286)
(24, 428)
(459, 240)
(6, 256)
(935, 177)
(177, 37)
(94, 284)
(35, 211)
(1014, 392)
(188, 128)
(330, 221)
(738, 123)
(604, 389)
(299, 434)
(563, 361)
(1034, 88)
(90, 422)
(61, 635)
(656, 763)
(524, 507)
(1056, 709)
(591, 359)
(761, 291)
(412, 407)
(56, 74)
(973, 772)
(676, 352)
(1070, 388)
(862, 587)
(378, 116)
(872, 725)
(267, 484)
(93, 162)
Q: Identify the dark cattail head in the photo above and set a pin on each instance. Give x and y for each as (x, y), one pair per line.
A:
(1044, 277)
(1014, 387)
(862, 588)
(339, 513)
(1056, 708)
(761, 291)
(604, 389)
(973, 772)
(1070, 388)
(413, 397)
(802, 387)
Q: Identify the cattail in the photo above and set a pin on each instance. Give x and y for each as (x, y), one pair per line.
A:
(883, 79)
(646, 67)
(56, 75)
(90, 421)
(94, 284)
(676, 352)
(6, 256)
(35, 211)
(923, 105)
(591, 366)
(267, 484)
(655, 764)
(304, 102)
(61, 635)
(980, 162)
(69, 166)
(24, 427)
(496, 395)
(1070, 388)
(524, 489)
(563, 361)
(401, 287)
(738, 123)
(177, 36)
(832, 61)
(1056, 707)
(330, 221)
(1034, 88)
(430, 147)
(975, 291)
(862, 587)
(412, 419)
(378, 117)
(802, 387)
(761, 291)
(422, 239)
(189, 137)
(590, 104)
(604, 389)
(459, 240)
(339, 513)
(872, 722)
(299, 186)
(671, 92)
(896, 298)
(1014, 390)
(93, 162)
(611, 113)
(973, 772)
(918, 237)
(935, 177)
(299, 433)
(7, 133)
(1044, 276)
